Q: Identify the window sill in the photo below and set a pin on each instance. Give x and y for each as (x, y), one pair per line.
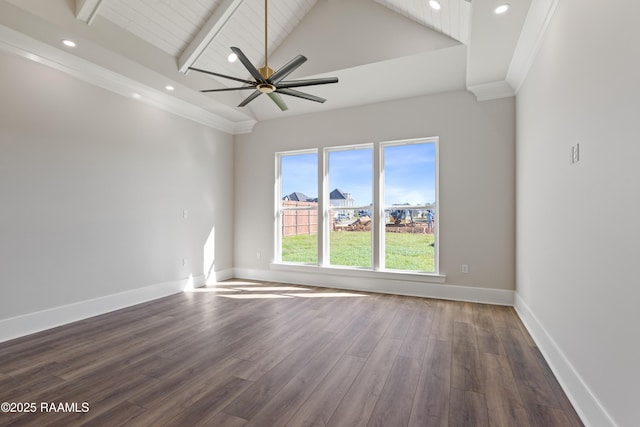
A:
(360, 272)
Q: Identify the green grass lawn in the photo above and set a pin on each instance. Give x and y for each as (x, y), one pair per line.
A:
(404, 251)
(301, 248)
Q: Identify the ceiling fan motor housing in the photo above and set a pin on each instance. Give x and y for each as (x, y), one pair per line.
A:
(266, 88)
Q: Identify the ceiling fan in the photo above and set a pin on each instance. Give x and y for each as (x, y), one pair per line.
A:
(268, 81)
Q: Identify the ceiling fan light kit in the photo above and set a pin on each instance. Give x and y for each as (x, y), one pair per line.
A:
(270, 82)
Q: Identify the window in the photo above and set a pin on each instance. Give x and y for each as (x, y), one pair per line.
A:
(297, 207)
(350, 183)
(409, 188)
(377, 207)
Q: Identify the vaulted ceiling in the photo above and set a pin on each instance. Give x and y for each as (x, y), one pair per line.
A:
(379, 49)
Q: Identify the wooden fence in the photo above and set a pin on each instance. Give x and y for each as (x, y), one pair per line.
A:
(299, 221)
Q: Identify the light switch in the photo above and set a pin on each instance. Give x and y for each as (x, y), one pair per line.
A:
(575, 154)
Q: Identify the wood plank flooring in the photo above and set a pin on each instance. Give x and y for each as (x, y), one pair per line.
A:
(267, 354)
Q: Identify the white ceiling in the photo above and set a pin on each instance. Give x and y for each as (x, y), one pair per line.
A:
(379, 49)
(453, 19)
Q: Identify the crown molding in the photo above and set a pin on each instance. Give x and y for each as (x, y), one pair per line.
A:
(244, 127)
(20, 44)
(492, 90)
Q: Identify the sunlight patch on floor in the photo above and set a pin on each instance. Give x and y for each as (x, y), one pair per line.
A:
(212, 290)
(256, 296)
(271, 288)
(325, 295)
(240, 283)
(257, 290)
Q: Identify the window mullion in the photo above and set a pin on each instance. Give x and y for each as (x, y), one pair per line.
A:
(323, 204)
(378, 213)
(277, 250)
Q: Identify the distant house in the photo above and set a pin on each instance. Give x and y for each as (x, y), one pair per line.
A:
(339, 198)
(299, 197)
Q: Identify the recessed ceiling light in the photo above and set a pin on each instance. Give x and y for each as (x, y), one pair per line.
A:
(169, 88)
(137, 96)
(232, 57)
(69, 43)
(501, 9)
(434, 5)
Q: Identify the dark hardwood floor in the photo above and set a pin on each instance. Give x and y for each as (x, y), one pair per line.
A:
(268, 354)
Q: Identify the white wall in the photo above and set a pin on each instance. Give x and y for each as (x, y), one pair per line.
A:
(92, 191)
(477, 160)
(578, 228)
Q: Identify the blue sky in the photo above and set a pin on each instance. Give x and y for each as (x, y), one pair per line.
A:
(409, 174)
(299, 173)
(351, 171)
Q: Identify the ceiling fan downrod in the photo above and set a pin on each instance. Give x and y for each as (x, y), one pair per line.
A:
(265, 71)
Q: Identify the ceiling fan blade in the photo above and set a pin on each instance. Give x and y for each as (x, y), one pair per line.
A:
(228, 89)
(299, 94)
(287, 69)
(278, 100)
(221, 75)
(250, 98)
(308, 82)
(247, 64)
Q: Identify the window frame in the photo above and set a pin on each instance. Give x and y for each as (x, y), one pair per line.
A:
(278, 206)
(378, 212)
(326, 212)
(382, 208)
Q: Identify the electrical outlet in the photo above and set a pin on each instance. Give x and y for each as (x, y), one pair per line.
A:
(258, 255)
(465, 268)
(184, 262)
(185, 214)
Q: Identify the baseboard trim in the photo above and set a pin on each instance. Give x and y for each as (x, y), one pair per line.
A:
(382, 285)
(221, 275)
(27, 324)
(585, 403)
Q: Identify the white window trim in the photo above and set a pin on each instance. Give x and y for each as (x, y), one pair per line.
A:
(377, 269)
(366, 273)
